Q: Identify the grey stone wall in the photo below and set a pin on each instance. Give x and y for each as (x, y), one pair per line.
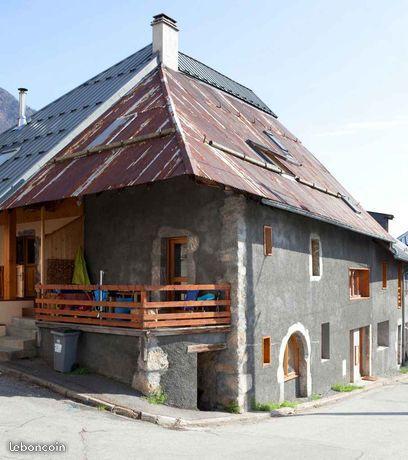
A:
(281, 295)
(113, 356)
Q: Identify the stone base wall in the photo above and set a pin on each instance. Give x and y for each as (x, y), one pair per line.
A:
(151, 363)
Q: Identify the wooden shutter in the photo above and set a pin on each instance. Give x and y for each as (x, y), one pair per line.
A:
(384, 275)
(267, 240)
(266, 350)
(399, 292)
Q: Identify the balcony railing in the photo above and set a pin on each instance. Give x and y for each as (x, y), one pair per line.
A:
(135, 306)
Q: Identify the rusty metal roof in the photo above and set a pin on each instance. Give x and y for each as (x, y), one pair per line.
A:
(186, 116)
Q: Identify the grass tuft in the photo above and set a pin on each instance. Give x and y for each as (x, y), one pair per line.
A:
(158, 397)
(79, 371)
(345, 388)
(403, 370)
(233, 408)
(102, 407)
(270, 406)
(315, 397)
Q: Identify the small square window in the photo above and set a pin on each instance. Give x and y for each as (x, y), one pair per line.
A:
(266, 351)
(315, 255)
(383, 334)
(325, 341)
(359, 283)
(267, 240)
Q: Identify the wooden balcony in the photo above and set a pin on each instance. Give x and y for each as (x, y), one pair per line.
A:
(135, 306)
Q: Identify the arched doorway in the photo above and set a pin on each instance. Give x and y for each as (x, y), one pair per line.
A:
(294, 375)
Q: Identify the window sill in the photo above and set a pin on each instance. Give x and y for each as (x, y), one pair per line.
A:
(291, 376)
(324, 360)
(360, 298)
(382, 347)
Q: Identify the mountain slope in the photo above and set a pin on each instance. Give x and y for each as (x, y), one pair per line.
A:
(9, 110)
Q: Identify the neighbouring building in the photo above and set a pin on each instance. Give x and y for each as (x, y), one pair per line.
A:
(227, 264)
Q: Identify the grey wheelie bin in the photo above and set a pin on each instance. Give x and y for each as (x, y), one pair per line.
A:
(65, 349)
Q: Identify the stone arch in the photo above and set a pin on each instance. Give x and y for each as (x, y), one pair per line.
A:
(305, 378)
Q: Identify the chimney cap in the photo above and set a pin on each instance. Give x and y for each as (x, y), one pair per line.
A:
(164, 18)
(22, 90)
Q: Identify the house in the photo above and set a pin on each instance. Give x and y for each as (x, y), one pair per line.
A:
(227, 264)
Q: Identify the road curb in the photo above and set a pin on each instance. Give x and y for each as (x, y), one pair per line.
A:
(286, 411)
(180, 423)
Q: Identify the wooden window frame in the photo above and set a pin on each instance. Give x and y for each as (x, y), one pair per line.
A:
(268, 245)
(384, 274)
(367, 272)
(266, 351)
(294, 374)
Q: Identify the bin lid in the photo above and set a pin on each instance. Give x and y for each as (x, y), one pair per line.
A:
(63, 332)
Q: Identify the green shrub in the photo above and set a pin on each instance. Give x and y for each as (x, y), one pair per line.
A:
(102, 407)
(158, 397)
(79, 371)
(315, 397)
(345, 388)
(233, 408)
(270, 406)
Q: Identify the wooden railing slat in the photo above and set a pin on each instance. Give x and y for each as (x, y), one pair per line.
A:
(144, 314)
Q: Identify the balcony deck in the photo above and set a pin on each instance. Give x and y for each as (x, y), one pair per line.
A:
(139, 307)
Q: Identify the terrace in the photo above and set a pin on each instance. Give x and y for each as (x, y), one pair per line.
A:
(139, 307)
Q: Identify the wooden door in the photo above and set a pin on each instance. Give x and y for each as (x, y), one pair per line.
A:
(27, 260)
(176, 260)
(176, 265)
(355, 355)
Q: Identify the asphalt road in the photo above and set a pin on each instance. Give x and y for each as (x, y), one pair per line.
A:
(370, 425)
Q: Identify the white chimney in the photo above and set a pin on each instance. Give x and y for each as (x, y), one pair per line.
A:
(22, 120)
(165, 40)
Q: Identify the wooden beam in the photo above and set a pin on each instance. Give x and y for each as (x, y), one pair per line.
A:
(9, 254)
(55, 210)
(42, 246)
(204, 347)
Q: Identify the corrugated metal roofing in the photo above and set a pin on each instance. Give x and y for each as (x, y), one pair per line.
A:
(52, 123)
(204, 113)
(198, 70)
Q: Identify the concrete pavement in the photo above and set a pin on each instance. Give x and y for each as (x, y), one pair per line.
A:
(373, 424)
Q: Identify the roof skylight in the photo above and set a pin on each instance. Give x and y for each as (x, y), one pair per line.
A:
(283, 151)
(6, 154)
(270, 157)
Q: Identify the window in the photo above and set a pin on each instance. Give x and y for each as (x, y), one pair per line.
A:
(359, 280)
(350, 204)
(325, 341)
(6, 154)
(291, 358)
(270, 157)
(283, 151)
(267, 240)
(384, 267)
(266, 351)
(399, 292)
(383, 334)
(315, 255)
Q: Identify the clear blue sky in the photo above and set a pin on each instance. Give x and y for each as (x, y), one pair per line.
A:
(336, 72)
